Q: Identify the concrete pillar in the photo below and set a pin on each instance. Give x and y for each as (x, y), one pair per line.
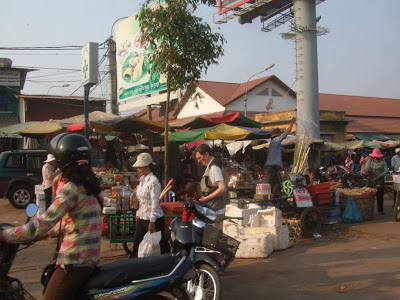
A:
(307, 73)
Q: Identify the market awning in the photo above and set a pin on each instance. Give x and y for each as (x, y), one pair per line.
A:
(360, 144)
(233, 119)
(42, 129)
(289, 140)
(328, 146)
(218, 132)
(16, 128)
(371, 136)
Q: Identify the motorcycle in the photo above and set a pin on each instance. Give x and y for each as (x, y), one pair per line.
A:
(213, 251)
(156, 277)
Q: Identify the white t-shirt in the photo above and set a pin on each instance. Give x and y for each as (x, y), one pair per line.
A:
(214, 176)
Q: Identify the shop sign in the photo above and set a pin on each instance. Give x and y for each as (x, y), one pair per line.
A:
(89, 64)
(11, 78)
(133, 61)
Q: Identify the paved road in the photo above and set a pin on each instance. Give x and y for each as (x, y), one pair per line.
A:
(349, 261)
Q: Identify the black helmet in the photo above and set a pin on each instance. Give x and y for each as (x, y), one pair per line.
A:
(68, 148)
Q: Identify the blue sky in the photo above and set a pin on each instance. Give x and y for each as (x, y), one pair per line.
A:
(360, 55)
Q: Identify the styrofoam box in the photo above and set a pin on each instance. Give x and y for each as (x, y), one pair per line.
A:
(259, 247)
(280, 235)
(39, 189)
(271, 216)
(234, 211)
(110, 202)
(109, 210)
(232, 229)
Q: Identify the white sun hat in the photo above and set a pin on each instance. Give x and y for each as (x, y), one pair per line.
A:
(50, 158)
(397, 150)
(143, 160)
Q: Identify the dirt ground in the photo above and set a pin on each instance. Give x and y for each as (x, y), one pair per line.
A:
(348, 261)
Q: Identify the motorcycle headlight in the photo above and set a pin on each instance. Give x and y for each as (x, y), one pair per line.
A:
(209, 213)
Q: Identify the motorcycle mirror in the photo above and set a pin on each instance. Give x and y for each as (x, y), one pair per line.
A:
(31, 210)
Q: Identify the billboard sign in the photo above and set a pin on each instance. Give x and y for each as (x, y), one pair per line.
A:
(133, 63)
(225, 6)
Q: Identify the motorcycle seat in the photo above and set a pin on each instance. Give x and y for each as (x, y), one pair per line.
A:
(124, 271)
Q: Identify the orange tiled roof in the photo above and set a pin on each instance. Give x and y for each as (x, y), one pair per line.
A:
(360, 105)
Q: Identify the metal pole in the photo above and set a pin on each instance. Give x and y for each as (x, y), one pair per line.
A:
(166, 176)
(86, 110)
(112, 70)
(307, 73)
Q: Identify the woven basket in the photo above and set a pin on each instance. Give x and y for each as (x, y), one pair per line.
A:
(366, 204)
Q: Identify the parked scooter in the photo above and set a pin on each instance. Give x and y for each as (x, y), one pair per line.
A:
(156, 277)
(213, 251)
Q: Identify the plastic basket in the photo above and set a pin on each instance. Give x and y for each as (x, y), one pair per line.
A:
(320, 193)
(366, 204)
(121, 225)
(215, 239)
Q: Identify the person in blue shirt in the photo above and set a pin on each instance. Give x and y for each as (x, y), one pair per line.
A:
(273, 165)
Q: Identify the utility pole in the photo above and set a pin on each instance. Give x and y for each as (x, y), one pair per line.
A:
(112, 70)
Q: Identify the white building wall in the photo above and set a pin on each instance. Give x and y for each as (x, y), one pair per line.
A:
(199, 104)
(267, 102)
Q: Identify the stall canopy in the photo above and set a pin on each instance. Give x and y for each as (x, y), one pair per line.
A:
(328, 146)
(371, 136)
(218, 132)
(289, 140)
(34, 129)
(233, 119)
(109, 122)
(361, 144)
(42, 129)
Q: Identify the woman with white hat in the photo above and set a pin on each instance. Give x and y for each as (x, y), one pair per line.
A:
(376, 168)
(48, 174)
(149, 216)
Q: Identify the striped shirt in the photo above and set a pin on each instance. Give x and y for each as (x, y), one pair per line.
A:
(81, 217)
(148, 193)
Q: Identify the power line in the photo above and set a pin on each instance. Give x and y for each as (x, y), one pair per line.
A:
(57, 54)
(55, 74)
(50, 48)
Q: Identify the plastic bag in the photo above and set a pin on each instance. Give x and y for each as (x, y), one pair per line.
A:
(352, 213)
(150, 246)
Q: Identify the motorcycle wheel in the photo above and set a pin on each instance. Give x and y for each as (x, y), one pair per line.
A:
(206, 285)
(396, 209)
(310, 221)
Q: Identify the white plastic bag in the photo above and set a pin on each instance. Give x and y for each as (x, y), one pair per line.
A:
(150, 246)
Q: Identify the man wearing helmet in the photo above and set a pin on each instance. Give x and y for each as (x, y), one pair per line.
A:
(78, 207)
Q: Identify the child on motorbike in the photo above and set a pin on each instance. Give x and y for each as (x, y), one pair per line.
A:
(193, 192)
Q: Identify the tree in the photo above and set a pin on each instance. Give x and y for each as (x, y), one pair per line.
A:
(182, 46)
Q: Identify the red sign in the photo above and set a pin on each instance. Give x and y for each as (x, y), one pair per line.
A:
(227, 5)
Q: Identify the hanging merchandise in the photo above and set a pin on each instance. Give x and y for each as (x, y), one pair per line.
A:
(102, 141)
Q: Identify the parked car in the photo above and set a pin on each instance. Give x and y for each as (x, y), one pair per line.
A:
(20, 171)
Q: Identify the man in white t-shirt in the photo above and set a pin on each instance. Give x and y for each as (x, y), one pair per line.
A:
(213, 184)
